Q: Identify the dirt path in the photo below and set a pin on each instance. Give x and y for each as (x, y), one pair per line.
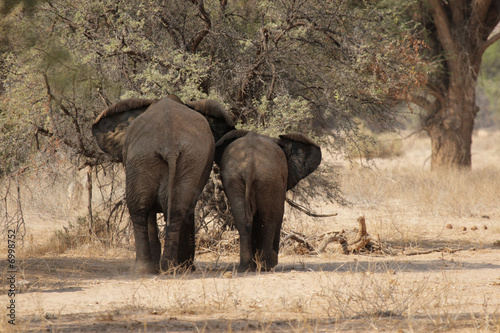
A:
(459, 291)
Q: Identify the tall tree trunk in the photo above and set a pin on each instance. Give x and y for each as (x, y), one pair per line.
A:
(450, 128)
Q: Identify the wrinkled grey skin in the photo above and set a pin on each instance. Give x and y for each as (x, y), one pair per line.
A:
(256, 172)
(167, 149)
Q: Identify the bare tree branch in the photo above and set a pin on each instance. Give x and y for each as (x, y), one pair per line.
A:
(488, 43)
(306, 211)
(443, 27)
(171, 31)
(208, 24)
(421, 101)
(80, 145)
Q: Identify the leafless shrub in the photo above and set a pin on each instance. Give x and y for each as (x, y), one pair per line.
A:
(213, 212)
(373, 292)
(11, 209)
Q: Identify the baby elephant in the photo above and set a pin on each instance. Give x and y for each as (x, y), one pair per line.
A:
(256, 172)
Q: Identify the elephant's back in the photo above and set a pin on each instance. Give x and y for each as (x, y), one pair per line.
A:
(168, 123)
(256, 157)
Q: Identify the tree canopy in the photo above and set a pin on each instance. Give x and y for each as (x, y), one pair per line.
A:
(279, 66)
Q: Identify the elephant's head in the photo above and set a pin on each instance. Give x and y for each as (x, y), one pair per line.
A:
(110, 127)
(219, 120)
(303, 156)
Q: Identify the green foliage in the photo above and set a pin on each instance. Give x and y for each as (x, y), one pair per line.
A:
(184, 75)
(278, 65)
(283, 114)
(489, 85)
(9, 5)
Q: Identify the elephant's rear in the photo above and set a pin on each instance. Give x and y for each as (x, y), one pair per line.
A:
(255, 167)
(169, 148)
(254, 174)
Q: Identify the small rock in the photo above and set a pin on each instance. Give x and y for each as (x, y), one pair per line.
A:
(49, 316)
(485, 216)
(473, 228)
(449, 226)
(485, 227)
(464, 228)
(105, 317)
(22, 285)
(227, 275)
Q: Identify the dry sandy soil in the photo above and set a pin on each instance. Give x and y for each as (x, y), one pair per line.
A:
(434, 278)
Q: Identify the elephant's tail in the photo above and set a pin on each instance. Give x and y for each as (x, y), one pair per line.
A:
(172, 164)
(249, 205)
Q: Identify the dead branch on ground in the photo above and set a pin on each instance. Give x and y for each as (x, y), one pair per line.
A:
(360, 242)
(299, 238)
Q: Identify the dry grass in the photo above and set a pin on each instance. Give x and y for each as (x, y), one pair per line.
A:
(405, 205)
(452, 193)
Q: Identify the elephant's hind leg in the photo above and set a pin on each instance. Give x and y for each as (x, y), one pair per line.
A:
(143, 257)
(179, 243)
(185, 256)
(244, 227)
(141, 190)
(270, 220)
(172, 239)
(179, 231)
(187, 244)
(154, 241)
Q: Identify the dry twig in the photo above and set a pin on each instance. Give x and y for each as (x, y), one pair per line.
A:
(439, 249)
(306, 211)
(301, 239)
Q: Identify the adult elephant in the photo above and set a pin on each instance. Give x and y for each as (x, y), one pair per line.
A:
(256, 172)
(167, 149)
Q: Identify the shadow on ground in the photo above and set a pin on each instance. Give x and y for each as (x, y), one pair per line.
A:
(67, 274)
(127, 320)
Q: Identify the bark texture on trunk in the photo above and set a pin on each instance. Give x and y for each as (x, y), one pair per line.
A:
(450, 128)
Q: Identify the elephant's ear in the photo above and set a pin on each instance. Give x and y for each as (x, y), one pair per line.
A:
(110, 127)
(225, 141)
(303, 156)
(219, 120)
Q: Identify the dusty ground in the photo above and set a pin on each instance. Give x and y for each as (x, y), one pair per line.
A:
(91, 289)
